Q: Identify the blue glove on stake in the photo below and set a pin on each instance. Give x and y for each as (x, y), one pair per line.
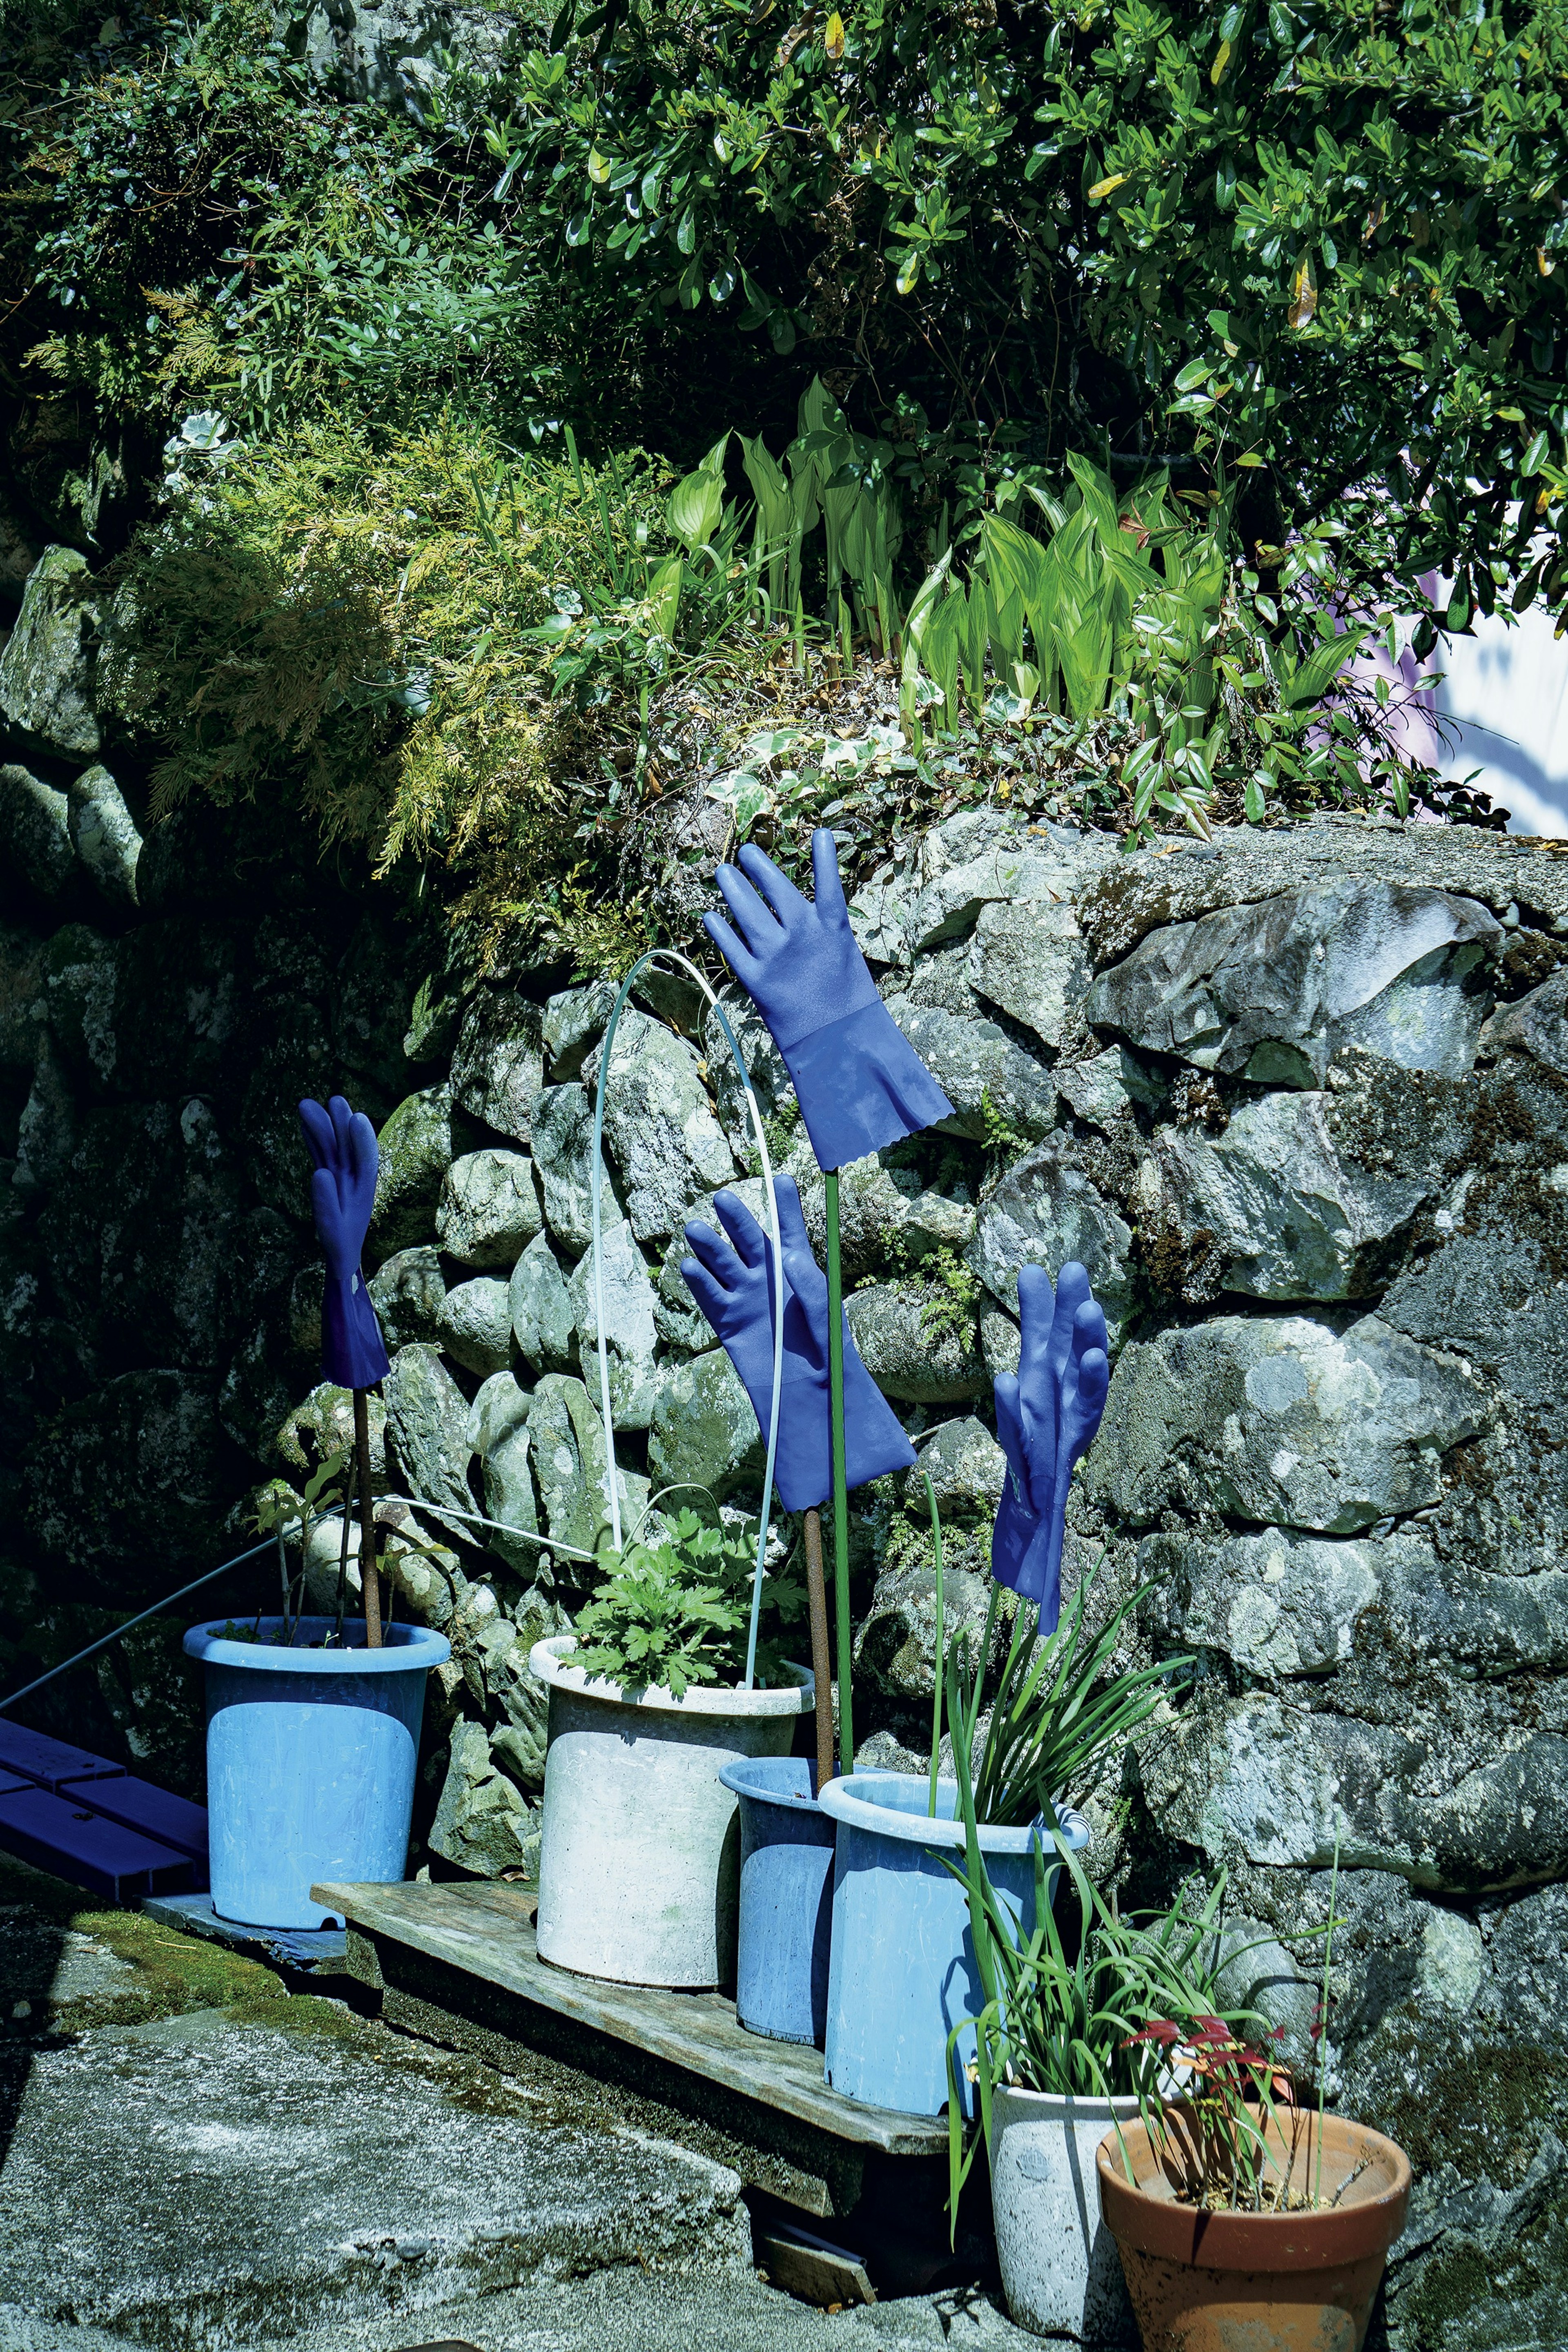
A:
(341, 1143)
(860, 1082)
(733, 1283)
(1046, 1420)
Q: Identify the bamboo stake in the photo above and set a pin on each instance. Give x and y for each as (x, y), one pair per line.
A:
(821, 1657)
(840, 1489)
(369, 1580)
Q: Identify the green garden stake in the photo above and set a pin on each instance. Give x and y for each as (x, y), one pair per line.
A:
(941, 1646)
(840, 1489)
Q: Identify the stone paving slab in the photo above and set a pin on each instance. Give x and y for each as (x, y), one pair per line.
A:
(201, 2181)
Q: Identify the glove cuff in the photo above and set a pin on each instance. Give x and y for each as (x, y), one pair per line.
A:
(353, 1354)
(861, 1086)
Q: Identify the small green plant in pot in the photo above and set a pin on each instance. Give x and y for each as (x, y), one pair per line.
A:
(639, 1848)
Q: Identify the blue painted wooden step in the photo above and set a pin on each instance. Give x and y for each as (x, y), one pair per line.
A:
(64, 1836)
(47, 1761)
(139, 1805)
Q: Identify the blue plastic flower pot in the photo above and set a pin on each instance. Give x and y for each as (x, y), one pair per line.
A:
(902, 1971)
(786, 1900)
(311, 1757)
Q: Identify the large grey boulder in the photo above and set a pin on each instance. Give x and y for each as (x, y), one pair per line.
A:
(1027, 957)
(408, 1291)
(1104, 1088)
(474, 1325)
(1537, 1026)
(1270, 992)
(980, 858)
(35, 832)
(574, 1021)
(498, 1066)
(563, 1124)
(542, 1323)
(966, 1468)
(428, 1430)
(659, 1126)
(103, 835)
(1045, 1210)
(703, 1432)
(488, 1210)
(566, 1450)
(631, 1337)
(1285, 1421)
(992, 1084)
(1282, 1210)
(415, 1149)
(764, 1067)
(918, 1344)
(47, 671)
(482, 1823)
(324, 1424)
(497, 1435)
(885, 1215)
(896, 1648)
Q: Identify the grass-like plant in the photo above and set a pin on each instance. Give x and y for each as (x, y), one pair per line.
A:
(675, 1607)
(1058, 1709)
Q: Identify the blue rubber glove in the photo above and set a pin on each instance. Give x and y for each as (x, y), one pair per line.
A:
(1046, 1421)
(860, 1082)
(733, 1283)
(341, 1143)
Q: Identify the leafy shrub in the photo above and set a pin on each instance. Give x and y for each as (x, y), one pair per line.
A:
(676, 1610)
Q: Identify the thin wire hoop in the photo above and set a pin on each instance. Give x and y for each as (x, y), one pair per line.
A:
(612, 1481)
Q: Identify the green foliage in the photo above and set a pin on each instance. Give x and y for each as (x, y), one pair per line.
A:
(1317, 242)
(676, 1607)
(1058, 1709)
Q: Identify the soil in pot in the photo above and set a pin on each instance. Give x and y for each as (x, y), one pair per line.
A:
(1291, 2280)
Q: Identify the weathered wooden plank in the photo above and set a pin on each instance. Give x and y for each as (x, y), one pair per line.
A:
(486, 1929)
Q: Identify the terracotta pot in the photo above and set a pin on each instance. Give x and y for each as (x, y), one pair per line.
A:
(1302, 2282)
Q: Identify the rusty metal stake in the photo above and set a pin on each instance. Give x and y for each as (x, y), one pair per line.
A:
(369, 1580)
(821, 1663)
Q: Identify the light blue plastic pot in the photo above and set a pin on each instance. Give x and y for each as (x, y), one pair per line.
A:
(902, 1970)
(786, 1900)
(311, 1757)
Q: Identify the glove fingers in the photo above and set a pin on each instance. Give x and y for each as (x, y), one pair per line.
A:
(1072, 1292)
(777, 888)
(1089, 1329)
(749, 1242)
(341, 1112)
(825, 878)
(363, 1154)
(758, 925)
(739, 958)
(320, 1138)
(710, 1297)
(1010, 1428)
(792, 1216)
(1037, 1306)
(718, 1258)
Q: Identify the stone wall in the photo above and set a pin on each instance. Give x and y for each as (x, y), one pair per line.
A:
(1299, 1100)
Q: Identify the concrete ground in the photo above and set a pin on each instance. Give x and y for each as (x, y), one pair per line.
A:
(192, 2158)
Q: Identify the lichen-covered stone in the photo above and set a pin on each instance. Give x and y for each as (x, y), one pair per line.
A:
(498, 1066)
(324, 1424)
(103, 835)
(1537, 1026)
(487, 1211)
(474, 1325)
(994, 1086)
(566, 1450)
(764, 1065)
(1044, 1212)
(966, 1468)
(885, 1215)
(574, 1021)
(1271, 991)
(918, 1344)
(427, 1429)
(1105, 1087)
(563, 1127)
(897, 1645)
(1281, 1420)
(35, 832)
(497, 1435)
(415, 1149)
(408, 1291)
(659, 1126)
(543, 1324)
(47, 671)
(631, 1337)
(1027, 957)
(703, 1432)
(482, 1823)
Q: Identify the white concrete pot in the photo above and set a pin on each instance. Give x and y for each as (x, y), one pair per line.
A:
(1060, 2271)
(640, 1863)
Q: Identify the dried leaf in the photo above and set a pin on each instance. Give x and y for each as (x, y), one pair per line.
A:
(833, 37)
(1544, 261)
(1104, 187)
(1303, 295)
(1222, 59)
